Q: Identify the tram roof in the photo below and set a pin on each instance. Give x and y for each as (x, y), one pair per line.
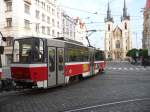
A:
(61, 39)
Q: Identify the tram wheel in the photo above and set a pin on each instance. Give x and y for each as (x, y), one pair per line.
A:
(74, 79)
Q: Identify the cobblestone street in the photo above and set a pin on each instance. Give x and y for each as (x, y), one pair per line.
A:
(112, 91)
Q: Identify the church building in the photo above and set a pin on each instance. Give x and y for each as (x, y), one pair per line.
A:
(117, 38)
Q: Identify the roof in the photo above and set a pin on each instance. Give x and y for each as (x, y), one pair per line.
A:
(147, 4)
(117, 28)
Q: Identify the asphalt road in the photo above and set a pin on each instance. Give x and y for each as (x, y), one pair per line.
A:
(121, 88)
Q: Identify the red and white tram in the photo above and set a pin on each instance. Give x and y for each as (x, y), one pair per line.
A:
(46, 63)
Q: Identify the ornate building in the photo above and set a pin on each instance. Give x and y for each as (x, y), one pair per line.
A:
(117, 39)
(146, 26)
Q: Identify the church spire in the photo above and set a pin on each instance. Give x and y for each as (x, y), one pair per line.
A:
(108, 11)
(109, 18)
(125, 15)
(124, 9)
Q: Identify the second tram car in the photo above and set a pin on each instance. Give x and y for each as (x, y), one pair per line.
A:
(46, 63)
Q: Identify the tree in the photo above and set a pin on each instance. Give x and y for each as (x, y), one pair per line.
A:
(132, 53)
(145, 53)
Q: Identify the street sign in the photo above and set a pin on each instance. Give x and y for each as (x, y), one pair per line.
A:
(149, 52)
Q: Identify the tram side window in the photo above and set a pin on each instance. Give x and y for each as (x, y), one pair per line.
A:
(38, 51)
(85, 55)
(77, 54)
(103, 56)
(26, 54)
(16, 52)
(41, 48)
(99, 56)
(60, 60)
(51, 60)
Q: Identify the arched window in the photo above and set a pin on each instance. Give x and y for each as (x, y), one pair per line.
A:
(125, 26)
(117, 44)
(108, 27)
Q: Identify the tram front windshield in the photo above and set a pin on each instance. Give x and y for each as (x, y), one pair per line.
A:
(28, 50)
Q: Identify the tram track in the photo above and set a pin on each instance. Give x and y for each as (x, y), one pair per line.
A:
(114, 103)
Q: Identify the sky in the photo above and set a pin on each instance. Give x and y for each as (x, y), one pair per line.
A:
(85, 9)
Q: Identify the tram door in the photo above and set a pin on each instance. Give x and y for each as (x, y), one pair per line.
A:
(91, 63)
(60, 66)
(51, 66)
(55, 66)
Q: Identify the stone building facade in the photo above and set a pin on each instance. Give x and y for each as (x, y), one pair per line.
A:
(146, 26)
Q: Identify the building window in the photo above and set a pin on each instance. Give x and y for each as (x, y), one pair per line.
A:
(43, 17)
(58, 14)
(9, 41)
(48, 30)
(9, 22)
(43, 5)
(48, 9)
(71, 34)
(53, 33)
(9, 6)
(125, 26)
(37, 14)
(57, 34)
(37, 28)
(53, 22)
(109, 27)
(37, 2)
(43, 29)
(26, 8)
(27, 24)
(58, 24)
(48, 19)
(53, 11)
(117, 44)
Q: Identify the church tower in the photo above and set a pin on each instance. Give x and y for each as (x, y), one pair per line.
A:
(126, 43)
(108, 33)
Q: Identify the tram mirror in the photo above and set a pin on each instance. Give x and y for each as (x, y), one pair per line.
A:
(1, 49)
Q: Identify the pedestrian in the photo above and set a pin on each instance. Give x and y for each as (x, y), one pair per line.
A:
(144, 62)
